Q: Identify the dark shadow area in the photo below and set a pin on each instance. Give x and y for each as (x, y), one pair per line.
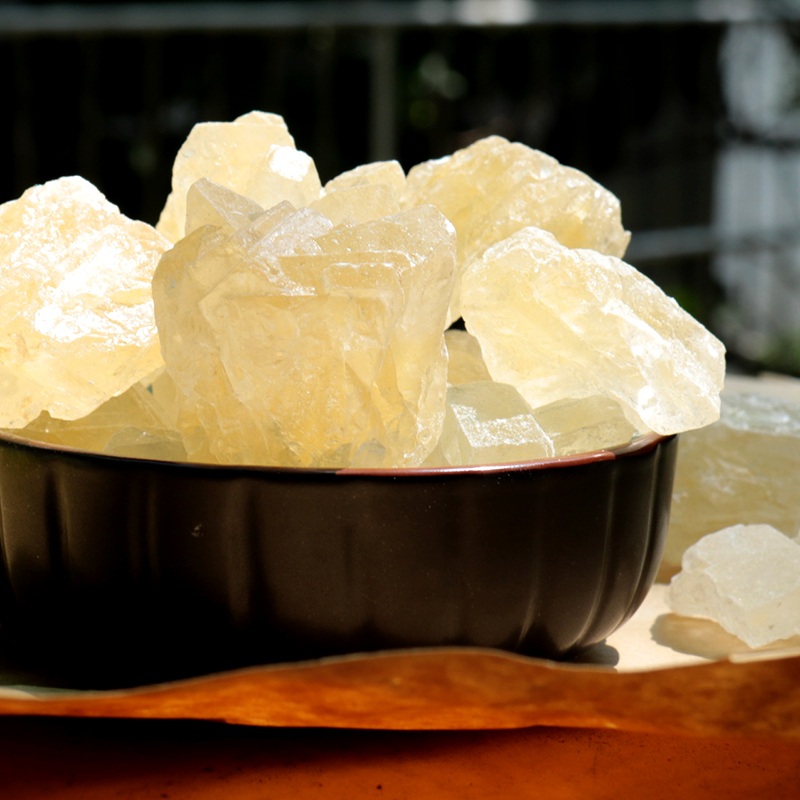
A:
(639, 108)
(154, 758)
(601, 654)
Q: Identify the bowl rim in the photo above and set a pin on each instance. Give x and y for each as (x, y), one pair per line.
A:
(639, 445)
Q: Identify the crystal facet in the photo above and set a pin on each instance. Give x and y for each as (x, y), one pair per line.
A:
(584, 425)
(465, 362)
(209, 203)
(490, 423)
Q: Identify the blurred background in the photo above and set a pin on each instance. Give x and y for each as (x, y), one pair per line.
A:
(688, 110)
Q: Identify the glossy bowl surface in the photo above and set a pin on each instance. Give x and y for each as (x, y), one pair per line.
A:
(158, 569)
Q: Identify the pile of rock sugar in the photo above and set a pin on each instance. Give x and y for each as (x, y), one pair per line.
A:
(476, 310)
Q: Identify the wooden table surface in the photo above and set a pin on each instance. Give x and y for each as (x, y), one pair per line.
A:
(90, 759)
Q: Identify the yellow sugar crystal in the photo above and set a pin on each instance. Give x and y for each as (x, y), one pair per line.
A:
(377, 173)
(465, 362)
(77, 325)
(357, 204)
(184, 276)
(745, 468)
(362, 194)
(494, 187)
(560, 323)
(490, 423)
(585, 425)
(165, 393)
(160, 445)
(253, 155)
(295, 343)
(135, 409)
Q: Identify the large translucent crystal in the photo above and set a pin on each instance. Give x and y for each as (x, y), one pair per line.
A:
(494, 187)
(77, 324)
(746, 578)
(295, 343)
(745, 468)
(560, 323)
(490, 423)
(253, 155)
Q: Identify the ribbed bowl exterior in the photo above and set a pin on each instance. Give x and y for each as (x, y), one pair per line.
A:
(223, 566)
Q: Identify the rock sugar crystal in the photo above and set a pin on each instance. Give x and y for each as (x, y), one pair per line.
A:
(465, 362)
(76, 310)
(745, 468)
(253, 155)
(560, 323)
(490, 423)
(589, 423)
(494, 187)
(362, 194)
(746, 578)
(135, 416)
(295, 342)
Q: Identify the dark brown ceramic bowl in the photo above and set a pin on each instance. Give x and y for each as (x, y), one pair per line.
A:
(164, 568)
